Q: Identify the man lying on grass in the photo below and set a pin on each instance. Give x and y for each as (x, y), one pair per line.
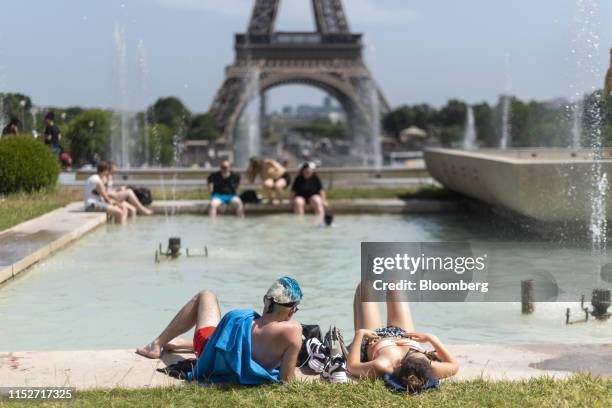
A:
(242, 347)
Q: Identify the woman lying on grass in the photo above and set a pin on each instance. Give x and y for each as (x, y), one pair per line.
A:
(395, 352)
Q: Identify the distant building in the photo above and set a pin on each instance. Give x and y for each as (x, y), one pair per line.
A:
(203, 153)
(312, 112)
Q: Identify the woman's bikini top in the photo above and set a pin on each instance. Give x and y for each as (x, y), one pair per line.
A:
(395, 342)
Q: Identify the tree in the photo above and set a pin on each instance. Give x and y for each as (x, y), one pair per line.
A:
(161, 145)
(484, 118)
(453, 114)
(16, 105)
(87, 134)
(170, 112)
(323, 128)
(421, 116)
(203, 127)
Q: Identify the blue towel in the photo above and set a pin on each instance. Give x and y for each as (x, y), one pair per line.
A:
(227, 355)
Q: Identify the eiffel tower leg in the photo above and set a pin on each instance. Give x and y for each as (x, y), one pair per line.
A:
(263, 114)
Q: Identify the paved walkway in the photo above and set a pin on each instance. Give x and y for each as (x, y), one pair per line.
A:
(27, 243)
(123, 368)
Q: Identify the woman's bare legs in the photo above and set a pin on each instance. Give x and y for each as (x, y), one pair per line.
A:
(201, 311)
(279, 187)
(398, 311)
(129, 196)
(268, 186)
(316, 202)
(119, 214)
(298, 205)
(131, 210)
(366, 315)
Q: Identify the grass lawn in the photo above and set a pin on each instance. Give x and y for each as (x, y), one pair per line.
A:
(20, 207)
(578, 391)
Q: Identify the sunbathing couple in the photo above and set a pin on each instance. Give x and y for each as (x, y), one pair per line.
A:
(246, 348)
(100, 196)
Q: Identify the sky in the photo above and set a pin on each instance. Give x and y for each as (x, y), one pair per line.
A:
(63, 52)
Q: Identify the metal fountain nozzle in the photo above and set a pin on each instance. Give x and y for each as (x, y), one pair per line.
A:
(174, 247)
(600, 300)
(174, 251)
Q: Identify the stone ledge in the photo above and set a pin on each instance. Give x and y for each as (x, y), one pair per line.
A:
(27, 243)
(352, 206)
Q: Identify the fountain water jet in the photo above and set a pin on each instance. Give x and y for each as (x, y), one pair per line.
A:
(120, 142)
(589, 121)
(585, 46)
(248, 142)
(469, 135)
(144, 73)
(506, 106)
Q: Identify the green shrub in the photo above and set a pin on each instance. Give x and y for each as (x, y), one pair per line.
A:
(26, 165)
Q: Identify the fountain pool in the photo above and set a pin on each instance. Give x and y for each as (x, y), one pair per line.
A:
(105, 291)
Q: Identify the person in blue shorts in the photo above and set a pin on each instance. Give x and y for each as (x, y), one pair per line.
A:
(223, 185)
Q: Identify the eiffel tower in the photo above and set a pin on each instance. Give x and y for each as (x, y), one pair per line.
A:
(330, 59)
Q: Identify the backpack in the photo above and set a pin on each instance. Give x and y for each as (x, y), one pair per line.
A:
(250, 197)
(143, 194)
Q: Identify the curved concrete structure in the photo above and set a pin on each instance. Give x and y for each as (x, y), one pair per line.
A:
(545, 184)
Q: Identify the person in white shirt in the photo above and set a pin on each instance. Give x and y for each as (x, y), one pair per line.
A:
(97, 200)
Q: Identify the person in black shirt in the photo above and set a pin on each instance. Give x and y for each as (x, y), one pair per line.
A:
(12, 129)
(223, 185)
(53, 136)
(308, 189)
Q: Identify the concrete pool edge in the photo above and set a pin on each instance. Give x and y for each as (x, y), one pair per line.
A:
(88, 369)
(43, 236)
(339, 206)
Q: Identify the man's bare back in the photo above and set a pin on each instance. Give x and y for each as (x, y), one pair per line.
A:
(276, 343)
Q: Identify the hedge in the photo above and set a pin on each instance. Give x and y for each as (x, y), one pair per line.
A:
(26, 164)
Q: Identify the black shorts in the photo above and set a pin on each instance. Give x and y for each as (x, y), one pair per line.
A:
(285, 177)
(306, 197)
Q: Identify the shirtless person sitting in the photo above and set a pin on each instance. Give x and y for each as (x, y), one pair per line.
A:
(275, 339)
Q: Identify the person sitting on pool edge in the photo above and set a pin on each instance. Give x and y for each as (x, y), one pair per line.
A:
(394, 352)
(96, 198)
(308, 189)
(242, 347)
(274, 177)
(125, 195)
(223, 184)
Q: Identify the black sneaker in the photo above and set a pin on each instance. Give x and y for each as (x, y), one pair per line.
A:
(335, 370)
(317, 354)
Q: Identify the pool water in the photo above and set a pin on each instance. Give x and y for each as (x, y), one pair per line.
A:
(105, 291)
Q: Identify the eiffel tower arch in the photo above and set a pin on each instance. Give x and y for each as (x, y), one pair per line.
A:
(330, 59)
